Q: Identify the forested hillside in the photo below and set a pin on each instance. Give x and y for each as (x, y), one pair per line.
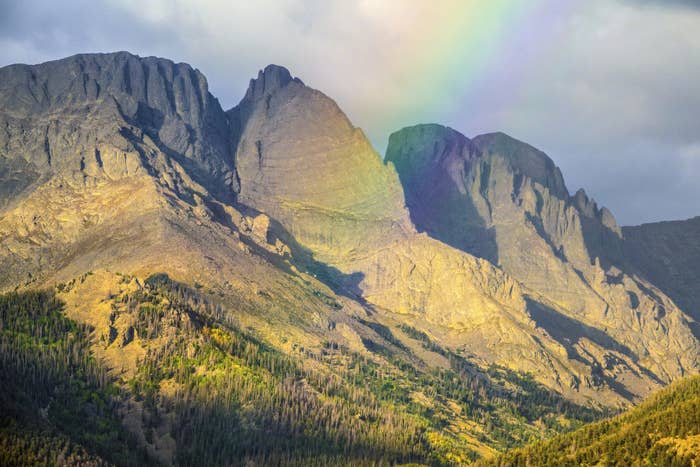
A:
(665, 430)
(211, 392)
(57, 404)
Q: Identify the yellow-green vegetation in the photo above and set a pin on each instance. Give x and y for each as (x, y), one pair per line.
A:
(207, 391)
(57, 404)
(664, 430)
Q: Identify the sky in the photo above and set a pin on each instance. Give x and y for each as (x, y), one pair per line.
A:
(610, 89)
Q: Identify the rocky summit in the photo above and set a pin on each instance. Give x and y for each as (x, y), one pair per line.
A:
(238, 277)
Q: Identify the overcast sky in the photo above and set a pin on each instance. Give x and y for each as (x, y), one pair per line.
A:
(610, 89)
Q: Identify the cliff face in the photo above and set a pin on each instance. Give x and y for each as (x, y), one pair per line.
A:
(422, 150)
(507, 202)
(668, 254)
(113, 160)
(92, 116)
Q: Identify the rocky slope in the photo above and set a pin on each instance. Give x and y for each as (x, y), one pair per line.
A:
(106, 153)
(503, 200)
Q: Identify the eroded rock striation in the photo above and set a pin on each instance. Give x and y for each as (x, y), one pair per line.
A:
(105, 115)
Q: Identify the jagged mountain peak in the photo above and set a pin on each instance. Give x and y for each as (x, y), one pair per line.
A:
(587, 205)
(448, 147)
(298, 155)
(589, 208)
(27, 89)
(116, 111)
(428, 128)
(270, 79)
(275, 85)
(525, 158)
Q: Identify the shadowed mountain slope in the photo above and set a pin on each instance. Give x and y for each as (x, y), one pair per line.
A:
(668, 254)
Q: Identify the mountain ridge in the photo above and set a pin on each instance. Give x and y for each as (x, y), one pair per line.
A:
(511, 206)
(281, 211)
(292, 142)
(663, 430)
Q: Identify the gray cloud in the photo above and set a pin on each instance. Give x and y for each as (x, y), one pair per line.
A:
(666, 3)
(606, 87)
(616, 103)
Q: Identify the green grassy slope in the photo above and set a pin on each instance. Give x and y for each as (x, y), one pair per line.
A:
(664, 430)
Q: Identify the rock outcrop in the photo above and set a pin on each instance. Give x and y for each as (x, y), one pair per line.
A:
(302, 162)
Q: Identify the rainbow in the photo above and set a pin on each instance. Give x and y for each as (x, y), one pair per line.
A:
(462, 46)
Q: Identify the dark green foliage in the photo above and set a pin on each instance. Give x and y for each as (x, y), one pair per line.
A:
(19, 447)
(384, 332)
(426, 343)
(256, 403)
(54, 396)
(500, 399)
(634, 438)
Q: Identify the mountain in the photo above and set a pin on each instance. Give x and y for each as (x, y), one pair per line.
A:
(295, 148)
(503, 200)
(99, 149)
(128, 187)
(119, 97)
(258, 278)
(302, 162)
(664, 430)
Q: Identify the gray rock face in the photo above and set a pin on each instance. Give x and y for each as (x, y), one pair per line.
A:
(460, 187)
(526, 160)
(601, 233)
(60, 115)
(434, 164)
(668, 254)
